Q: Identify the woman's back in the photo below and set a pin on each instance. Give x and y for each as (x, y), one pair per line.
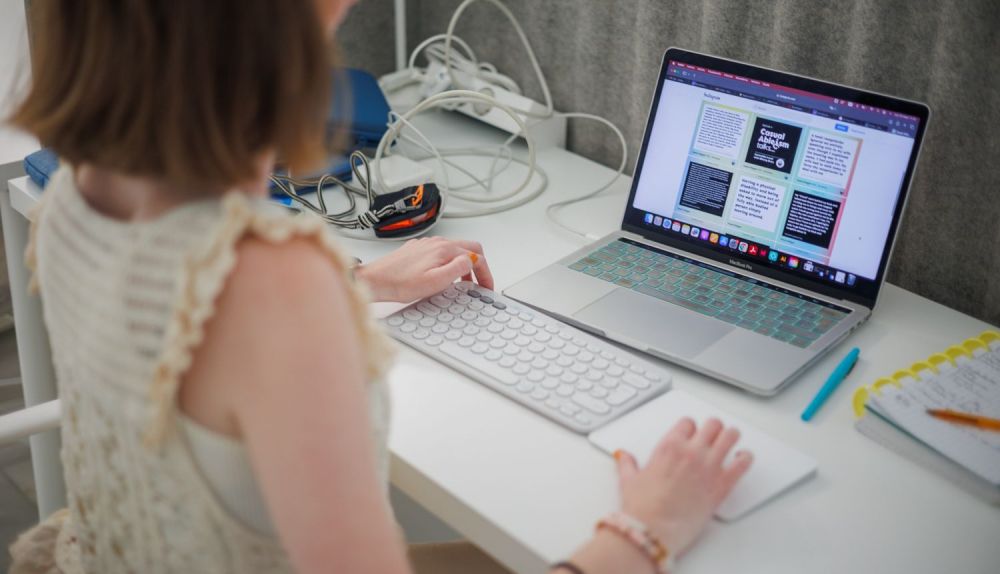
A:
(125, 305)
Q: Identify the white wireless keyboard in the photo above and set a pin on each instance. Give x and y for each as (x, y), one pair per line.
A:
(557, 370)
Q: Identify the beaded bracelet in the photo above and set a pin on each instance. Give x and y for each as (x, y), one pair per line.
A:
(633, 530)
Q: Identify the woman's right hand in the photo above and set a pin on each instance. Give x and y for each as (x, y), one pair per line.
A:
(675, 494)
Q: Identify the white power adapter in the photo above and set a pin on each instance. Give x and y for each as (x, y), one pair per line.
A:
(398, 172)
(546, 132)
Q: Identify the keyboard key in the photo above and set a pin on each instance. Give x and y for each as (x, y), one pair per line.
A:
(620, 395)
(636, 381)
(477, 362)
(428, 309)
(569, 378)
(590, 403)
(569, 409)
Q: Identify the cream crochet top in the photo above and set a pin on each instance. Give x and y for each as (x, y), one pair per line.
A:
(125, 304)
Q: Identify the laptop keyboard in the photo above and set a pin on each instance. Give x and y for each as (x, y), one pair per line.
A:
(740, 301)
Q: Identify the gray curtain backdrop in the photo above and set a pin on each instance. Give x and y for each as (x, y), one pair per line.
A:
(602, 56)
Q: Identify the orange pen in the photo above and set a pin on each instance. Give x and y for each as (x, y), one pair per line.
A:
(984, 423)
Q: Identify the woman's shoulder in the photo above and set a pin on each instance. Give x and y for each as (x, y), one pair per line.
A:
(247, 292)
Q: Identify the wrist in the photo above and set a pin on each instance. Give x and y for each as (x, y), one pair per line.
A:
(369, 277)
(637, 533)
(666, 531)
(609, 553)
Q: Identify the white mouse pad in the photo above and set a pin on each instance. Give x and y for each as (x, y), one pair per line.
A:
(776, 466)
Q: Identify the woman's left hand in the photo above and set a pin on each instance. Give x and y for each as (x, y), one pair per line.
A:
(423, 267)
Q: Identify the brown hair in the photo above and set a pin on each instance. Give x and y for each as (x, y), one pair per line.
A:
(192, 91)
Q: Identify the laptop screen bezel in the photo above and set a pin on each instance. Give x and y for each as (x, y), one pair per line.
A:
(865, 294)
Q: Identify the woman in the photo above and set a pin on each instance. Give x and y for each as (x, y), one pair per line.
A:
(223, 408)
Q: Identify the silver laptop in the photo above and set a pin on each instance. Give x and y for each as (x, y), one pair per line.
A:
(758, 228)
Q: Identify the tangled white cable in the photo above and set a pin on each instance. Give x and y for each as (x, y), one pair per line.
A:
(448, 92)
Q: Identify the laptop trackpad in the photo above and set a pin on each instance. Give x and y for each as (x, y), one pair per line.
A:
(654, 323)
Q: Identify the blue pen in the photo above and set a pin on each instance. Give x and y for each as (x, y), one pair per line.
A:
(836, 377)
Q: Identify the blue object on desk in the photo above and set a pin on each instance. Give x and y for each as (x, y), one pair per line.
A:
(836, 377)
(40, 165)
(359, 110)
(358, 106)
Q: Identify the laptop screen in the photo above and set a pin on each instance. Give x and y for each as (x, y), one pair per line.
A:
(777, 174)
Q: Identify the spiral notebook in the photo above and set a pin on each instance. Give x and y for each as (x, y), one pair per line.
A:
(964, 378)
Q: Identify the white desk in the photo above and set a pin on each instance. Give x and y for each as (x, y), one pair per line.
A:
(529, 492)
